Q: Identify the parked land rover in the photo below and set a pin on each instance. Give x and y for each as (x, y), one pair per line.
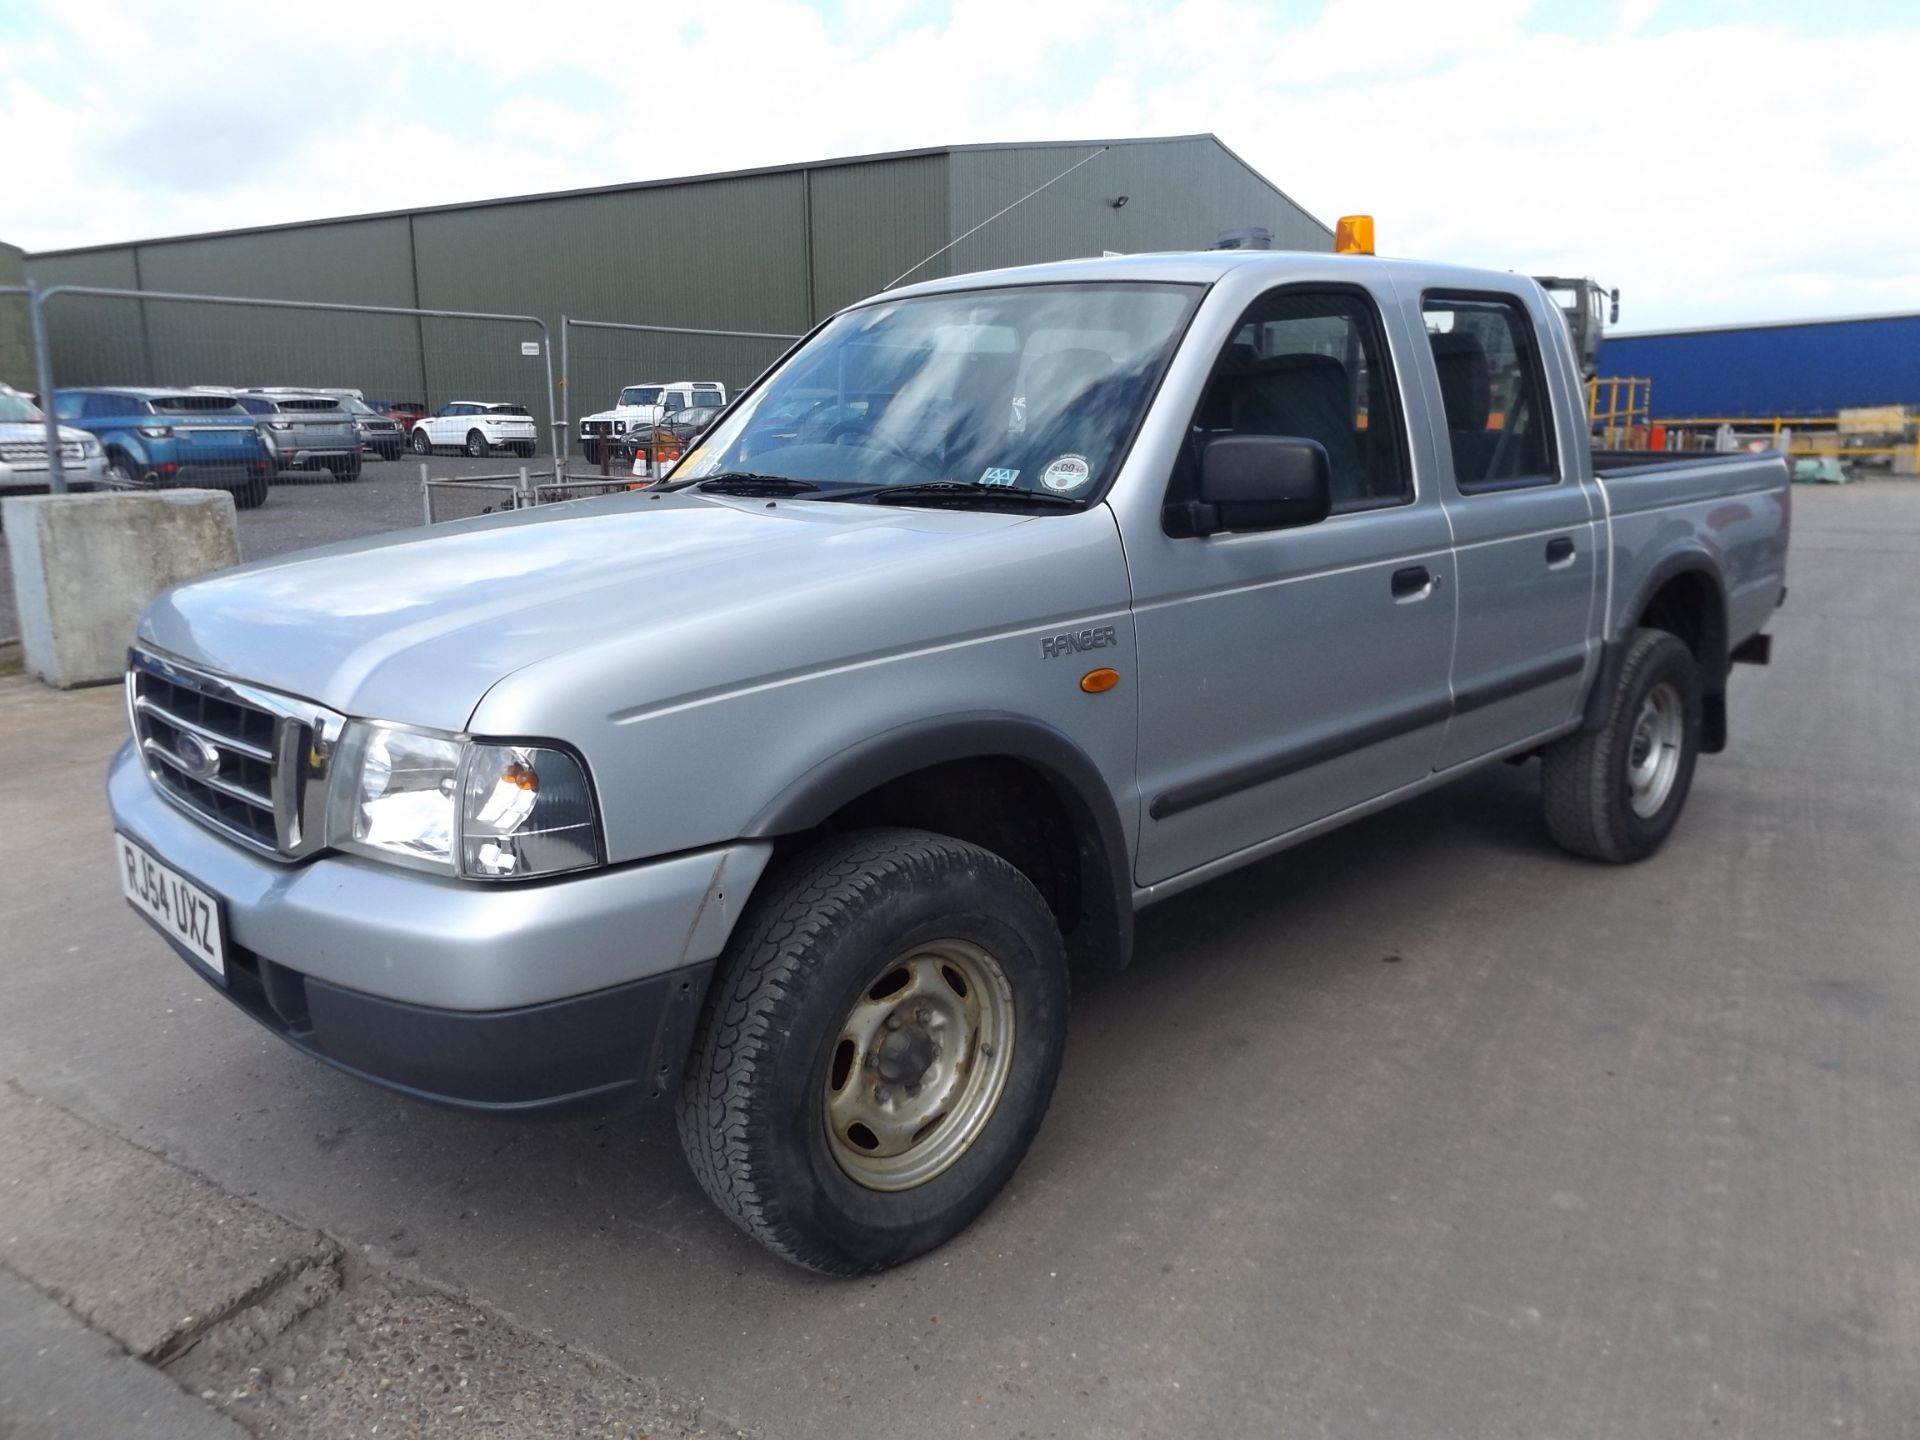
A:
(155, 437)
(306, 430)
(23, 449)
(641, 407)
(477, 428)
(790, 792)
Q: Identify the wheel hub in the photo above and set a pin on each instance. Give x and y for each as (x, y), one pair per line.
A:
(919, 1065)
(1653, 753)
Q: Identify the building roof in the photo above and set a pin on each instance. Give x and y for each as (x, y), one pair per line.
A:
(701, 179)
(1762, 325)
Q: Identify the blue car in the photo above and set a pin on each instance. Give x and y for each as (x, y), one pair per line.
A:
(157, 438)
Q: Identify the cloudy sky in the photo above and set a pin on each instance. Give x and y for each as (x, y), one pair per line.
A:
(1714, 159)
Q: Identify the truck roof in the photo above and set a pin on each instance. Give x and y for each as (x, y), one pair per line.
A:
(1202, 267)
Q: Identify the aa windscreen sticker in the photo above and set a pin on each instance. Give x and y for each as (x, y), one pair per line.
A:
(1069, 472)
(994, 475)
(1017, 420)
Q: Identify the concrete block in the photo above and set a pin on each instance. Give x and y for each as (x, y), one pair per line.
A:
(85, 566)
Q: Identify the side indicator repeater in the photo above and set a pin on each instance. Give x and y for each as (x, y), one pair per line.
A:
(1098, 682)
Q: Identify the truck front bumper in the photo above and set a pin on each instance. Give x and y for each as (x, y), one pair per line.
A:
(520, 997)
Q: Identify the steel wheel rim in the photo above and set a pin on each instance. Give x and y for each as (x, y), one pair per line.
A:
(1653, 753)
(919, 1065)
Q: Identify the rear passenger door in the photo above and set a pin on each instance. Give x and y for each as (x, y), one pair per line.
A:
(1287, 675)
(1525, 529)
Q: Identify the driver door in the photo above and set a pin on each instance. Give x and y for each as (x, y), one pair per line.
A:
(1288, 675)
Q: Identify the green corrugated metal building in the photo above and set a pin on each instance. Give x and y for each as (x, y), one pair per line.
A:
(775, 249)
(16, 354)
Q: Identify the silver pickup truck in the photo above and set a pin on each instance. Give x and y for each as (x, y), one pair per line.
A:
(792, 790)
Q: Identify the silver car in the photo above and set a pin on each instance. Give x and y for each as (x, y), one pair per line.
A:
(306, 430)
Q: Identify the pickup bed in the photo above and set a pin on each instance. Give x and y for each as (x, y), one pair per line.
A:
(790, 790)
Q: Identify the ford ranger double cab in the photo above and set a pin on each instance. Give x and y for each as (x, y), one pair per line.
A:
(640, 408)
(791, 790)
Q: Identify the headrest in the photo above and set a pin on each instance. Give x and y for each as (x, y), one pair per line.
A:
(1466, 387)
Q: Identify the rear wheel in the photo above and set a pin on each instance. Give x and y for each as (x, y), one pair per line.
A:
(345, 472)
(880, 1044)
(477, 447)
(1615, 793)
(252, 495)
(421, 444)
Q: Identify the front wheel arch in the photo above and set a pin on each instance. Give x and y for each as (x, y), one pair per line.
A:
(1100, 937)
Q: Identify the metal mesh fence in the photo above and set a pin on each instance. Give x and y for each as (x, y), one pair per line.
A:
(601, 359)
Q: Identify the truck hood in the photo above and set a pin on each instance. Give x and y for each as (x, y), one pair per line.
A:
(416, 627)
(32, 432)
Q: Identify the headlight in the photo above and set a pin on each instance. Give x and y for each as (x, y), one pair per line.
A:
(89, 446)
(527, 811)
(490, 812)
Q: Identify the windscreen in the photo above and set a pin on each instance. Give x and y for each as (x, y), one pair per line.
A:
(15, 408)
(640, 395)
(1036, 387)
(195, 404)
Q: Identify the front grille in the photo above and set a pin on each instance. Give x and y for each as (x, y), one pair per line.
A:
(179, 723)
(596, 427)
(33, 454)
(250, 763)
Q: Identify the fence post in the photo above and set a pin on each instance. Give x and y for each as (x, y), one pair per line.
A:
(563, 438)
(525, 498)
(426, 497)
(43, 377)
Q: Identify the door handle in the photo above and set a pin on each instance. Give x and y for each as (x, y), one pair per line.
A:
(1416, 582)
(1560, 550)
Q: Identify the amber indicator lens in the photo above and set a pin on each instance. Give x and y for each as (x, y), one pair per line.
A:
(1098, 682)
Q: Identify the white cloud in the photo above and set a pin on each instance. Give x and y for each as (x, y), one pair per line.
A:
(1739, 170)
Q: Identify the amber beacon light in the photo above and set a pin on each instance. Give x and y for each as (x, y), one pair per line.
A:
(1353, 235)
(1098, 682)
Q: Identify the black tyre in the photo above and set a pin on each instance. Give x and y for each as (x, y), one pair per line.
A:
(523, 450)
(421, 444)
(879, 1046)
(345, 472)
(389, 452)
(120, 472)
(1615, 793)
(590, 451)
(477, 447)
(252, 495)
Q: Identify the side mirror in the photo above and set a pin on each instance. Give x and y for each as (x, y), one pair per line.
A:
(1260, 482)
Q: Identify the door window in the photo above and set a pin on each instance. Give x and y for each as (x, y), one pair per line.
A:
(1499, 425)
(1310, 364)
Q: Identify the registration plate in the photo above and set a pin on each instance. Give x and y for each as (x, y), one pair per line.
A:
(178, 908)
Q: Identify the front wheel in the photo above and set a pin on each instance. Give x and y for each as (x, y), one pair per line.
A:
(421, 444)
(477, 447)
(119, 472)
(1615, 793)
(880, 1044)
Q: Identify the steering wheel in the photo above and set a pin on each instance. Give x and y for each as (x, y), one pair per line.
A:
(868, 440)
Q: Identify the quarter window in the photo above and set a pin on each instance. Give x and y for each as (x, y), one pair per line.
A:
(1499, 426)
(1310, 364)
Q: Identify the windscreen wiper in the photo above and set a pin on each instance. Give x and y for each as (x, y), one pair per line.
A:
(962, 492)
(745, 482)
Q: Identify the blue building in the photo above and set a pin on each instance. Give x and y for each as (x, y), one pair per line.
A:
(1798, 369)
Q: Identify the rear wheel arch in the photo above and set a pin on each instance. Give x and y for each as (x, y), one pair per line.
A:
(1010, 784)
(1685, 596)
